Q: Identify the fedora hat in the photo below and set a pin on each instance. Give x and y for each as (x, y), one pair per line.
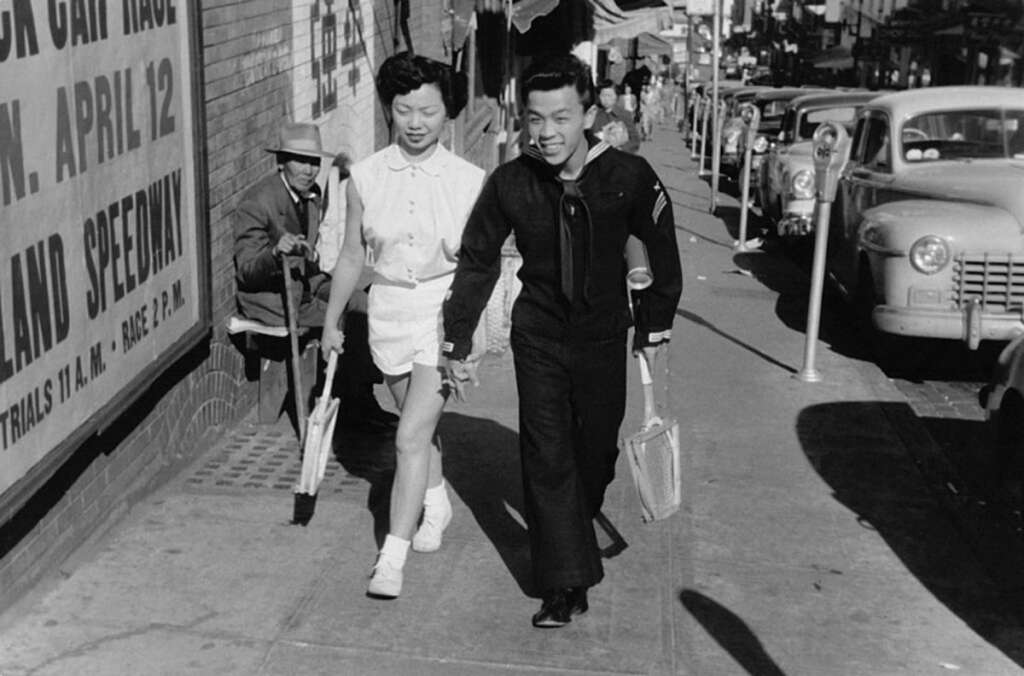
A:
(300, 138)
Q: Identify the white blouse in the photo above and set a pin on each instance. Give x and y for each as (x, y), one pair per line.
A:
(414, 212)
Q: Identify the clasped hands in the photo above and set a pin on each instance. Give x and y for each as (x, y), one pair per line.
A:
(459, 372)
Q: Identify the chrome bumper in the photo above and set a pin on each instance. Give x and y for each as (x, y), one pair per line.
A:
(794, 225)
(971, 324)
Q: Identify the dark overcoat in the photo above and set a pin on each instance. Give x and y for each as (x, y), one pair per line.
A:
(265, 212)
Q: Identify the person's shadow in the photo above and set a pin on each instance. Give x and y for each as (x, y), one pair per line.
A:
(371, 457)
(481, 464)
(730, 632)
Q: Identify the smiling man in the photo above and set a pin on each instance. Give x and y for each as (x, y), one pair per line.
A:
(571, 201)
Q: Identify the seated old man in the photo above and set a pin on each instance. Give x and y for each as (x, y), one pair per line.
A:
(279, 216)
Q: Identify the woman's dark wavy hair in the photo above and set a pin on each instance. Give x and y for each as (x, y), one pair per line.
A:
(405, 72)
(554, 73)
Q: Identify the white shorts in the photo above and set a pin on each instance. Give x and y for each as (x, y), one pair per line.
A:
(405, 324)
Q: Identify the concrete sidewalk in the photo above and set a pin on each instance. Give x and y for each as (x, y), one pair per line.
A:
(810, 542)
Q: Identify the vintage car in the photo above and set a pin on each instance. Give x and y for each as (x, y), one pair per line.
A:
(734, 126)
(771, 104)
(785, 186)
(926, 227)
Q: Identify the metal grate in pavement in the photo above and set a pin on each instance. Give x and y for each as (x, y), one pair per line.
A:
(261, 458)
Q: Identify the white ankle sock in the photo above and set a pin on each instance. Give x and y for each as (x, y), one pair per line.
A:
(395, 549)
(436, 495)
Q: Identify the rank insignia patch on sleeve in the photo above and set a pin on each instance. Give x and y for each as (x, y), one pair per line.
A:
(659, 204)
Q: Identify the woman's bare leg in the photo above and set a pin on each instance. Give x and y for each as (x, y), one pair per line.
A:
(420, 397)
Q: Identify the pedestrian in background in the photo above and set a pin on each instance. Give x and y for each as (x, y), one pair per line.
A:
(628, 102)
(408, 204)
(612, 123)
(280, 215)
(648, 111)
(677, 105)
(571, 201)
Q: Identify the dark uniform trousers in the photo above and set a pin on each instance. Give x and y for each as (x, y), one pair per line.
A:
(572, 398)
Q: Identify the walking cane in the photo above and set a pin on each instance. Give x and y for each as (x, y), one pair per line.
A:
(288, 263)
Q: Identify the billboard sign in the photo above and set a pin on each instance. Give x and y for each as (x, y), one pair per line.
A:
(102, 259)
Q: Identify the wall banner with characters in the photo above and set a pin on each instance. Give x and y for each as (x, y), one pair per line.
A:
(102, 257)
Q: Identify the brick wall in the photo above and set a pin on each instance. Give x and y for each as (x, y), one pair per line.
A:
(262, 61)
(257, 58)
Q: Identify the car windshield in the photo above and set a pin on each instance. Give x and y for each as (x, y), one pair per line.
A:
(810, 120)
(983, 133)
(774, 108)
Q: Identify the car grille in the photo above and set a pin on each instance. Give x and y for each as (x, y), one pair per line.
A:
(996, 280)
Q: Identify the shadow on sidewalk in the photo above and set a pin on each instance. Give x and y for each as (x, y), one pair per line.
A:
(730, 632)
(370, 457)
(899, 488)
(757, 226)
(700, 321)
(771, 268)
(481, 464)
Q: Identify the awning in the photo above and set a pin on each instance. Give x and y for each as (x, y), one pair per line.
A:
(838, 58)
(525, 12)
(611, 21)
(646, 45)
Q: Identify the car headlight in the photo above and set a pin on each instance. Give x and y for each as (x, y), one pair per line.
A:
(760, 144)
(929, 254)
(802, 185)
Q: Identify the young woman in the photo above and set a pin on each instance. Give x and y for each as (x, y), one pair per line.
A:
(408, 205)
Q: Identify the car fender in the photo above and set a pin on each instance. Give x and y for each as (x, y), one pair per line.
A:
(890, 229)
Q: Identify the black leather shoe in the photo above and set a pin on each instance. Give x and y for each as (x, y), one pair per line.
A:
(559, 606)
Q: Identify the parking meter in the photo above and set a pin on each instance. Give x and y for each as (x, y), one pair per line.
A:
(827, 145)
(705, 107)
(829, 138)
(718, 121)
(751, 116)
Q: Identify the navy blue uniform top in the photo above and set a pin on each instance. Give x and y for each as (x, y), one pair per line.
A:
(623, 196)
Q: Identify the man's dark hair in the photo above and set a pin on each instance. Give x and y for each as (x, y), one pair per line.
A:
(405, 72)
(557, 72)
(607, 84)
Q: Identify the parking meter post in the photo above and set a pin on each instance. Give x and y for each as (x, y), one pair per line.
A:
(828, 139)
(716, 153)
(703, 139)
(810, 374)
(753, 112)
(716, 30)
(695, 108)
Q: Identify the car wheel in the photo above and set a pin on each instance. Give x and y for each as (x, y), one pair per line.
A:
(864, 295)
(800, 249)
